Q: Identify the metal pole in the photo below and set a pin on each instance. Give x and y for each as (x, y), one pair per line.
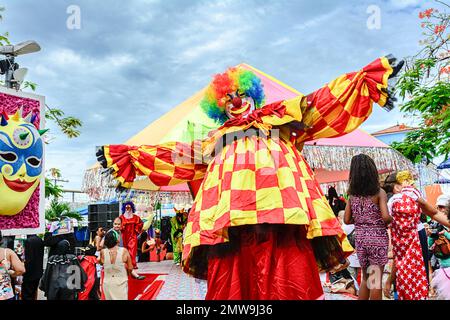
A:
(9, 72)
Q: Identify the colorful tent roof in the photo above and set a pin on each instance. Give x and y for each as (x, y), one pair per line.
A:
(187, 122)
(357, 138)
(394, 129)
(176, 125)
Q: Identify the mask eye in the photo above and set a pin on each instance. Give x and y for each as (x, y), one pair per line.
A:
(34, 162)
(8, 156)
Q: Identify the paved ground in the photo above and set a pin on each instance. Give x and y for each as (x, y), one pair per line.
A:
(180, 286)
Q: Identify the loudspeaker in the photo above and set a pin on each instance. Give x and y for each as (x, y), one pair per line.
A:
(113, 212)
(102, 216)
(114, 208)
(97, 208)
(98, 216)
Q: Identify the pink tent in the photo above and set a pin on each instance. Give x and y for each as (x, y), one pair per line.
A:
(329, 158)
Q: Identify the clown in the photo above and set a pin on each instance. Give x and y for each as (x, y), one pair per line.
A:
(131, 228)
(260, 226)
(21, 153)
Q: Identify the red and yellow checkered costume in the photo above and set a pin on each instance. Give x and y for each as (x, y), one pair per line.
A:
(257, 178)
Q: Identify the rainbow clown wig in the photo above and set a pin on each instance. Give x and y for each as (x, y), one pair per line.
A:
(232, 80)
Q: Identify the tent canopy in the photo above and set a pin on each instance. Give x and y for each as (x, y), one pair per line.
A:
(187, 122)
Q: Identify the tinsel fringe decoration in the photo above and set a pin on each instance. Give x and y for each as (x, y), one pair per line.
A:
(338, 158)
(386, 159)
(100, 185)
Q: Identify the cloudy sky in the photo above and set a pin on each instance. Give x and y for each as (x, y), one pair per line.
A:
(132, 61)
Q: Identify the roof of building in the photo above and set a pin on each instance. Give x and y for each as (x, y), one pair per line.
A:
(394, 129)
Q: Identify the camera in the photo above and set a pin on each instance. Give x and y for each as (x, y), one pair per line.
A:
(435, 229)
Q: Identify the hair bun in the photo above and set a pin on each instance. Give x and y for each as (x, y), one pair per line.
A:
(404, 176)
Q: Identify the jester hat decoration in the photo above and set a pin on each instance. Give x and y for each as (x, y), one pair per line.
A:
(236, 92)
(21, 153)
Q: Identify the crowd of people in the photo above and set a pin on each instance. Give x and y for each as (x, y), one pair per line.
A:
(396, 235)
(103, 269)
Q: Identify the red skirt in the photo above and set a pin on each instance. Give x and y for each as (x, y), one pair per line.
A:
(267, 263)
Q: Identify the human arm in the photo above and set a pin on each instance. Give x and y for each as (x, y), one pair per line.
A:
(446, 234)
(127, 260)
(430, 241)
(145, 248)
(389, 281)
(433, 213)
(382, 203)
(97, 243)
(348, 218)
(17, 266)
(101, 258)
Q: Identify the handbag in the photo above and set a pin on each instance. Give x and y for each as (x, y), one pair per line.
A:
(351, 238)
(442, 247)
(351, 235)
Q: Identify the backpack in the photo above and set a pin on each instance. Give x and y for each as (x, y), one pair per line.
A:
(442, 247)
(351, 238)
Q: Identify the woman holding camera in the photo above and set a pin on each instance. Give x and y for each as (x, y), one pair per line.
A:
(406, 206)
(439, 243)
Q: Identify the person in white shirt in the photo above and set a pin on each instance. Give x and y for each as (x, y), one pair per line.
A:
(354, 267)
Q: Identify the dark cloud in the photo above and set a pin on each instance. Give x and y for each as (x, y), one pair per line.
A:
(132, 61)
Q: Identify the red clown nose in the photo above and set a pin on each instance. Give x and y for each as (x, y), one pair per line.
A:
(237, 102)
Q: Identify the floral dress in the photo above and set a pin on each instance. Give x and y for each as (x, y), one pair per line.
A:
(372, 240)
(411, 279)
(6, 289)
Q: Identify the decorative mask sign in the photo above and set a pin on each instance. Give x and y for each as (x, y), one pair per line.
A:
(21, 163)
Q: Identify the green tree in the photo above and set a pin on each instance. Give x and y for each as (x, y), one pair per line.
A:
(60, 210)
(52, 190)
(424, 86)
(3, 37)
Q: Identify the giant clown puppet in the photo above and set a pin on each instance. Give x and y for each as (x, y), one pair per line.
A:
(21, 152)
(260, 226)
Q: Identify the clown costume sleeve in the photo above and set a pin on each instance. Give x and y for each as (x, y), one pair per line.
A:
(345, 103)
(260, 226)
(166, 164)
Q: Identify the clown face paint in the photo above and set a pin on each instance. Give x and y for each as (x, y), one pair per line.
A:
(239, 105)
(21, 152)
